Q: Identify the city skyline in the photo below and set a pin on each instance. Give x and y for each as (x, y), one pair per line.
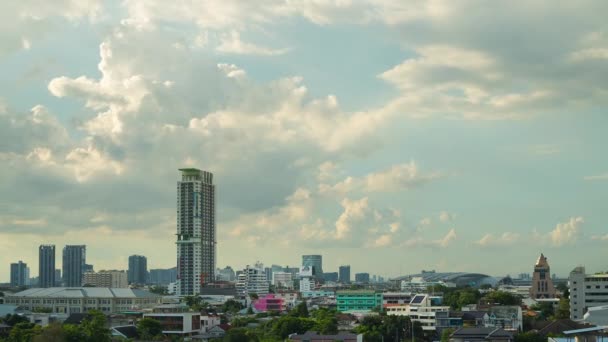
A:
(391, 136)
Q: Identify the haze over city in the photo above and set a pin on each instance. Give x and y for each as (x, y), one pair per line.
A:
(391, 136)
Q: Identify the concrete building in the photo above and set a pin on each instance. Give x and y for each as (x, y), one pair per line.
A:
(362, 278)
(46, 266)
(314, 261)
(269, 302)
(252, 280)
(74, 260)
(113, 279)
(138, 270)
(225, 274)
(19, 274)
(196, 235)
(344, 274)
(176, 320)
(307, 280)
(542, 284)
(162, 276)
(586, 290)
(358, 300)
(282, 280)
(331, 276)
(61, 300)
(422, 308)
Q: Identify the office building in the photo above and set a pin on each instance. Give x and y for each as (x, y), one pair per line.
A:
(138, 269)
(57, 278)
(314, 261)
(196, 241)
(225, 274)
(586, 291)
(113, 279)
(542, 284)
(252, 280)
(19, 274)
(46, 266)
(282, 280)
(74, 260)
(344, 274)
(362, 278)
(162, 276)
(61, 300)
(330, 276)
(307, 280)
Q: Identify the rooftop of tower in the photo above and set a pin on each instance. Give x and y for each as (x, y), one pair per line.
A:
(190, 174)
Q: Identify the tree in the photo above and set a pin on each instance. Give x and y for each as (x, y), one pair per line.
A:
(232, 306)
(73, 333)
(239, 335)
(287, 325)
(24, 332)
(148, 328)
(563, 309)
(445, 334)
(51, 333)
(161, 290)
(15, 319)
(94, 327)
(529, 337)
(301, 310)
(502, 298)
(546, 309)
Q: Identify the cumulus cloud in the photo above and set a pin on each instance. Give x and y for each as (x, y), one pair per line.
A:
(599, 177)
(396, 178)
(232, 43)
(506, 238)
(566, 232)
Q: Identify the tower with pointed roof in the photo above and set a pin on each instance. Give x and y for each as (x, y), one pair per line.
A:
(542, 284)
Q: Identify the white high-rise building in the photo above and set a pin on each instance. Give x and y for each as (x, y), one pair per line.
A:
(196, 244)
(282, 280)
(586, 290)
(252, 280)
(307, 280)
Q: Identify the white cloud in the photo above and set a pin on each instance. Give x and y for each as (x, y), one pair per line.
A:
(506, 238)
(396, 178)
(566, 232)
(232, 43)
(445, 216)
(600, 237)
(599, 177)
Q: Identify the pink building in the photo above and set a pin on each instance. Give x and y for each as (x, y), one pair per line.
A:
(270, 302)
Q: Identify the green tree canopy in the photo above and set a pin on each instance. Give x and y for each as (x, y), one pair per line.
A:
(149, 328)
(502, 298)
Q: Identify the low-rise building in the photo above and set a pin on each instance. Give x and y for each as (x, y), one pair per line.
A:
(175, 319)
(508, 317)
(481, 335)
(317, 294)
(282, 280)
(69, 300)
(209, 321)
(423, 309)
(358, 300)
(270, 302)
(311, 336)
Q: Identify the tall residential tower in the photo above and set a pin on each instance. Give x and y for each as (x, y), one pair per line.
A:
(74, 260)
(46, 266)
(196, 244)
(138, 269)
(19, 274)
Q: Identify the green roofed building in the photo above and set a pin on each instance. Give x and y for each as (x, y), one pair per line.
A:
(358, 300)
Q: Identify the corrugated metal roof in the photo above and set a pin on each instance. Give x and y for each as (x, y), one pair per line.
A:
(84, 292)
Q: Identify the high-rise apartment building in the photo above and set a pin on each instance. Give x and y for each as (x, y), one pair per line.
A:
(46, 266)
(252, 280)
(162, 276)
(138, 269)
(112, 279)
(314, 261)
(74, 260)
(586, 290)
(19, 274)
(362, 278)
(196, 244)
(542, 284)
(344, 274)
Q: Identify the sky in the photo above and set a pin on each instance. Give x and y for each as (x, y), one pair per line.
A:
(390, 135)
